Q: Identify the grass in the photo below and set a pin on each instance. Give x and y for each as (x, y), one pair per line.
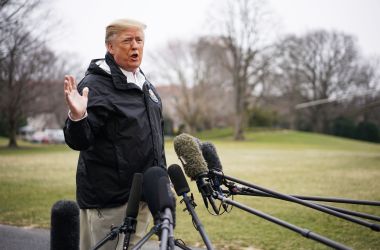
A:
(33, 178)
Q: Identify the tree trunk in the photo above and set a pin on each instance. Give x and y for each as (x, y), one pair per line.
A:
(12, 135)
(239, 110)
(239, 127)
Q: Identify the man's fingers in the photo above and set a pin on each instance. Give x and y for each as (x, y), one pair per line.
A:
(85, 92)
(66, 86)
(67, 83)
(67, 96)
(72, 82)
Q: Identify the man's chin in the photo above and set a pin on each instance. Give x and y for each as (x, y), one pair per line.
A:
(131, 66)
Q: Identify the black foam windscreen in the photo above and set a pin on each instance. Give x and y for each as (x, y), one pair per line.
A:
(64, 231)
(134, 196)
(178, 179)
(165, 196)
(211, 156)
(150, 188)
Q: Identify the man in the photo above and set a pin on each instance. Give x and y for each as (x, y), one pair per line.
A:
(115, 120)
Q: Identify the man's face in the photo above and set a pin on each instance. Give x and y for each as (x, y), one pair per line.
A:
(127, 48)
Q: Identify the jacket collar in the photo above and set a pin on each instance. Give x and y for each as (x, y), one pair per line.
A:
(118, 78)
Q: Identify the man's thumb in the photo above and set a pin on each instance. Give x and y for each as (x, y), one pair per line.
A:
(85, 92)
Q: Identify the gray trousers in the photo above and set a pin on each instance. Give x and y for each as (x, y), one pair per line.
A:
(95, 224)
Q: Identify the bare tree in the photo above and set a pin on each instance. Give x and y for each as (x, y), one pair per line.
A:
(24, 66)
(241, 25)
(190, 65)
(318, 66)
(364, 104)
(49, 97)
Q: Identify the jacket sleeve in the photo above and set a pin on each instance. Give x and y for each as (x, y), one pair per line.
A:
(80, 135)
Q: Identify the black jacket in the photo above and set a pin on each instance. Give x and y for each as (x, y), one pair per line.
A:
(122, 135)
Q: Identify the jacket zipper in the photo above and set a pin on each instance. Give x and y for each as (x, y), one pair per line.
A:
(145, 89)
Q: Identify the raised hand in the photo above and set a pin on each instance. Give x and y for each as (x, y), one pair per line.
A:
(76, 102)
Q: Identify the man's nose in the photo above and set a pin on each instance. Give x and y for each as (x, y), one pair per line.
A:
(134, 43)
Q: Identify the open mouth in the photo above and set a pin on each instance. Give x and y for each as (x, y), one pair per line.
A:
(134, 55)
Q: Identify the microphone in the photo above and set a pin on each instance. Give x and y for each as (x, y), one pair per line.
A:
(189, 153)
(181, 187)
(134, 196)
(150, 185)
(165, 195)
(213, 163)
(132, 208)
(64, 231)
(211, 156)
(178, 179)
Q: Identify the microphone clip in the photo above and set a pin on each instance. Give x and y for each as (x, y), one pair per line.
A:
(129, 225)
(191, 201)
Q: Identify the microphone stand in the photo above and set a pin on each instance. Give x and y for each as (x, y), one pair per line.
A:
(373, 226)
(128, 227)
(154, 230)
(169, 242)
(199, 227)
(249, 191)
(252, 192)
(167, 237)
(304, 232)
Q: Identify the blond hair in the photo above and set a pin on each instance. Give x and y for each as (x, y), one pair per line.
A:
(121, 24)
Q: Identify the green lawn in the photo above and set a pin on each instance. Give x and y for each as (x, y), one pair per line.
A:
(34, 177)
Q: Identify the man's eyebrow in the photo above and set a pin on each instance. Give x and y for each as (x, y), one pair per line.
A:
(129, 36)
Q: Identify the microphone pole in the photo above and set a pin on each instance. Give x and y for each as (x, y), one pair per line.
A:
(304, 232)
(153, 230)
(248, 191)
(166, 230)
(166, 206)
(195, 219)
(252, 192)
(110, 236)
(373, 226)
(182, 188)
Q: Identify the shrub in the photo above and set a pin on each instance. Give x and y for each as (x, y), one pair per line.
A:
(343, 127)
(367, 131)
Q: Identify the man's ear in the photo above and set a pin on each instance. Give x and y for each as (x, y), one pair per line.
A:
(109, 47)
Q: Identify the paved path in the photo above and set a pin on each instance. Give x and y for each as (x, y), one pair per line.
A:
(20, 238)
(12, 238)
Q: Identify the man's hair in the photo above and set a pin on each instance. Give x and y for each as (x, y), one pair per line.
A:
(121, 24)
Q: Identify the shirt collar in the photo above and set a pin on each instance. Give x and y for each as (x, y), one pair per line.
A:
(132, 77)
